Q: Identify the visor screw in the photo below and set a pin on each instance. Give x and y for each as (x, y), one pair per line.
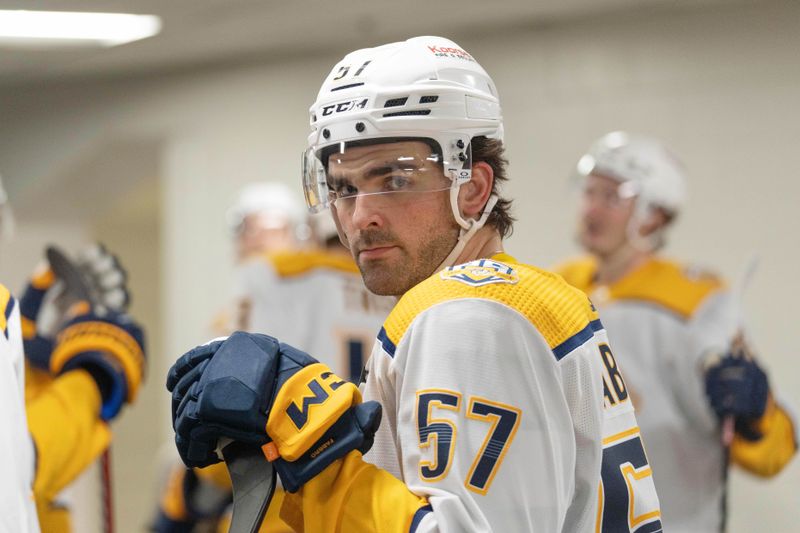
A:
(360, 127)
(462, 157)
(326, 133)
(460, 145)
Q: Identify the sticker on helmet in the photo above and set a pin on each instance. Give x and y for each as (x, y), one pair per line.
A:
(458, 53)
(480, 272)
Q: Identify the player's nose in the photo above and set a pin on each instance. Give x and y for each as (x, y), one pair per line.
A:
(368, 210)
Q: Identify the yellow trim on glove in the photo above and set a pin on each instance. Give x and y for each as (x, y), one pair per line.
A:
(64, 422)
(306, 406)
(768, 455)
(352, 495)
(28, 328)
(101, 337)
(43, 278)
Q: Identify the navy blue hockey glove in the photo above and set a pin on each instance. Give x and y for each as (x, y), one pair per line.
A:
(110, 348)
(737, 386)
(251, 388)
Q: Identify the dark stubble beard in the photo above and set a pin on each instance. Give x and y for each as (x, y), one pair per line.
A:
(396, 276)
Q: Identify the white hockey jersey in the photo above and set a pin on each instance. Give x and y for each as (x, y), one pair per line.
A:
(663, 320)
(503, 406)
(17, 508)
(314, 301)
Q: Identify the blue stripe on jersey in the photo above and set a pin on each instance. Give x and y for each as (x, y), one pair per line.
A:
(576, 340)
(652, 527)
(388, 345)
(8, 311)
(418, 516)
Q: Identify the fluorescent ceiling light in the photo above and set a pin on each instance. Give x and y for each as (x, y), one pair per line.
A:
(64, 28)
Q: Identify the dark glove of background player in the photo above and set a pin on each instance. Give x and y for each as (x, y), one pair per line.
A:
(110, 347)
(737, 386)
(253, 389)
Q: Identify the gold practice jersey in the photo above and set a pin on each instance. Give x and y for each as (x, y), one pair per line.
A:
(663, 321)
(504, 409)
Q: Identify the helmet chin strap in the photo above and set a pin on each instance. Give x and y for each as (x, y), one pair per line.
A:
(469, 227)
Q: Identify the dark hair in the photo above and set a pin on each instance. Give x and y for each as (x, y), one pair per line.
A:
(492, 152)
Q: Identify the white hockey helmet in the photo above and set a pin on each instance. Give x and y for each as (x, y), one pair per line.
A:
(425, 87)
(646, 169)
(275, 199)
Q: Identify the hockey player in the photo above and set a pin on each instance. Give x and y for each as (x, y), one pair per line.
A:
(675, 331)
(490, 373)
(265, 217)
(17, 509)
(317, 298)
(81, 367)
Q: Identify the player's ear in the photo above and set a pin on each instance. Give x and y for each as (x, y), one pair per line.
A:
(473, 195)
(655, 220)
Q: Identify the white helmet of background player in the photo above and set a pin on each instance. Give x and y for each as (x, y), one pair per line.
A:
(264, 213)
(646, 170)
(422, 88)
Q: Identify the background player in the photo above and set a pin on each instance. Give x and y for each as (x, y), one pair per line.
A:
(490, 373)
(669, 325)
(83, 362)
(78, 370)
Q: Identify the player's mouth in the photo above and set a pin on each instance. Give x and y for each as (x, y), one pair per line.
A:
(378, 252)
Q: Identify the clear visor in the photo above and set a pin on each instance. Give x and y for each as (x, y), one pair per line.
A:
(390, 174)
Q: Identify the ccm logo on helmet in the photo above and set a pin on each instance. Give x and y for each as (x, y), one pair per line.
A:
(342, 107)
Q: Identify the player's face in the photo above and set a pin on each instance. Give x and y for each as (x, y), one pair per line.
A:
(604, 216)
(263, 232)
(396, 216)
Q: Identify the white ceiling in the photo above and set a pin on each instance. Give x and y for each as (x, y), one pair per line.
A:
(200, 33)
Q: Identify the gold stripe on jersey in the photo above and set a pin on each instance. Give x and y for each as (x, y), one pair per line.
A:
(7, 305)
(295, 263)
(659, 281)
(557, 310)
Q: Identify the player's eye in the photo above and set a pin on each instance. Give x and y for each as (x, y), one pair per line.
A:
(397, 183)
(342, 189)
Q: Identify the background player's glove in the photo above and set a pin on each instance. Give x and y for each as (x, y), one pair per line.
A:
(251, 388)
(737, 386)
(109, 348)
(109, 280)
(46, 299)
